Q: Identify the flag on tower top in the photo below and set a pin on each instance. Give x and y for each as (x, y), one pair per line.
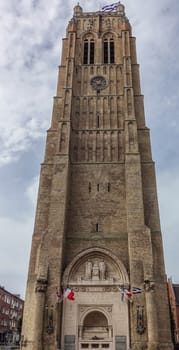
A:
(112, 7)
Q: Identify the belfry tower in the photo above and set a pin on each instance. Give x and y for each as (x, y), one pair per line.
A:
(97, 228)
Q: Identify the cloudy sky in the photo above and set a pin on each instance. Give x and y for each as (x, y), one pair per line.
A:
(30, 42)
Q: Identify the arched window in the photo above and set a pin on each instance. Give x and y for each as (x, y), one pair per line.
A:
(88, 53)
(108, 50)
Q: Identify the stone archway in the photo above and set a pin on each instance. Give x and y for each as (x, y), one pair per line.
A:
(101, 263)
(97, 316)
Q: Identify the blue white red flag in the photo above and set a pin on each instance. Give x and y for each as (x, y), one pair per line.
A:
(136, 290)
(110, 8)
(125, 293)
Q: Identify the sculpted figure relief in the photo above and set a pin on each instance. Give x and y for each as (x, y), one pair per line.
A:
(102, 269)
(88, 270)
(95, 271)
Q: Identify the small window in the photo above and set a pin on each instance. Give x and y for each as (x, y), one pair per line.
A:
(97, 227)
(85, 346)
(109, 187)
(97, 120)
(95, 346)
(105, 346)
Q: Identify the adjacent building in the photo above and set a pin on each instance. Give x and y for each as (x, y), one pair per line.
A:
(173, 292)
(11, 310)
(97, 231)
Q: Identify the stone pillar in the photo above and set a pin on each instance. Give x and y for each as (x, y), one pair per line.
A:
(152, 323)
(40, 290)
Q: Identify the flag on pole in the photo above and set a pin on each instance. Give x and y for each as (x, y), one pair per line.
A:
(59, 295)
(69, 294)
(110, 8)
(136, 290)
(125, 293)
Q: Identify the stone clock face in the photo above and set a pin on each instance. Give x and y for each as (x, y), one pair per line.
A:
(98, 83)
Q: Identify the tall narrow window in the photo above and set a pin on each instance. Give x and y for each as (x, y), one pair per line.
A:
(111, 51)
(108, 50)
(91, 52)
(85, 56)
(88, 54)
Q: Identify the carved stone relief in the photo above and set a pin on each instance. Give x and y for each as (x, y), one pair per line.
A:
(95, 271)
(140, 320)
(149, 286)
(93, 268)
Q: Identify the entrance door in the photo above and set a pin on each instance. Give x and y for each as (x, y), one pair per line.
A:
(95, 332)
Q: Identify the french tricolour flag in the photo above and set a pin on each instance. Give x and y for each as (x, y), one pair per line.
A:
(112, 7)
(69, 294)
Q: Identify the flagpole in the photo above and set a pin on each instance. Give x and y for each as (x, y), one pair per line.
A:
(99, 5)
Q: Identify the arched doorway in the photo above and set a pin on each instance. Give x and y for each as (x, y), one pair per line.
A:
(97, 318)
(95, 331)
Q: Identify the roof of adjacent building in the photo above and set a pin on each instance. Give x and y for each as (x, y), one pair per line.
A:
(5, 291)
(176, 291)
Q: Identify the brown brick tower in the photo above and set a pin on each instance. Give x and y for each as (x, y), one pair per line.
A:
(97, 227)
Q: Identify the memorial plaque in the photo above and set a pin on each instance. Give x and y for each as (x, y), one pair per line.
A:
(69, 342)
(120, 342)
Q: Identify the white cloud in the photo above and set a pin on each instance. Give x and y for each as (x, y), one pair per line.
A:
(32, 189)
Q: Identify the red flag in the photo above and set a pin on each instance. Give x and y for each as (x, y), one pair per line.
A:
(69, 294)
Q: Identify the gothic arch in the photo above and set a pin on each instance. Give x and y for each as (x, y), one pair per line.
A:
(109, 34)
(116, 269)
(101, 309)
(89, 33)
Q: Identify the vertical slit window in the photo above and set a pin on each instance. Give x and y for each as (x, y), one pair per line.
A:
(111, 51)
(109, 187)
(97, 121)
(85, 56)
(91, 52)
(105, 51)
(97, 227)
(89, 187)
(98, 187)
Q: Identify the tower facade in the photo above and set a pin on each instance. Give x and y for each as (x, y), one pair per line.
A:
(97, 228)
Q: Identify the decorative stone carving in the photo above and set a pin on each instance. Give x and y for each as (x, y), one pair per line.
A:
(95, 271)
(99, 83)
(112, 272)
(90, 24)
(88, 270)
(49, 320)
(41, 285)
(149, 286)
(41, 282)
(140, 320)
(102, 270)
(108, 23)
